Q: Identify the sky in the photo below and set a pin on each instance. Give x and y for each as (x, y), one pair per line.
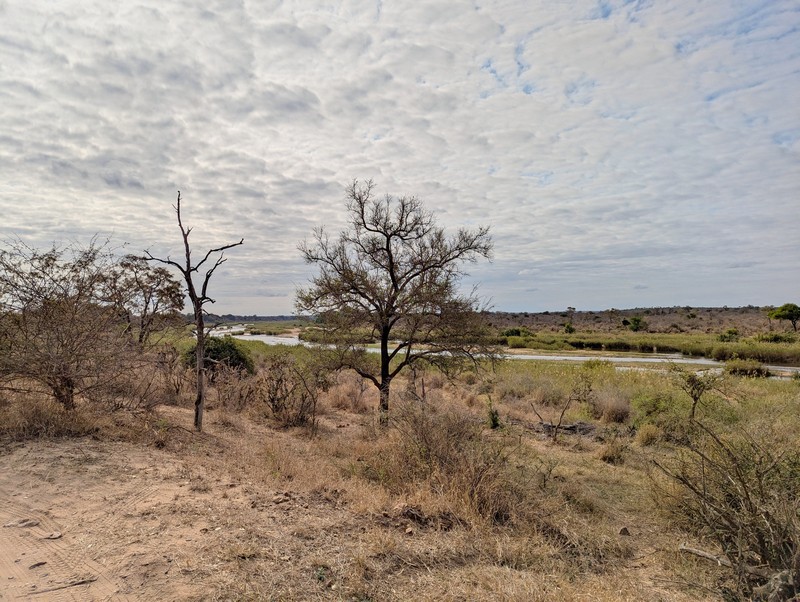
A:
(625, 153)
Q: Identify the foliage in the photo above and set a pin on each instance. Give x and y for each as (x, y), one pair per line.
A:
(222, 352)
(729, 336)
(637, 323)
(147, 298)
(751, 368)
(291, 385)
(787, 311)
(395, 274)
(448, 451)
(694, 384)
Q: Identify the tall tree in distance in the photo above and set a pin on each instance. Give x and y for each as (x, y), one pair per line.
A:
(787, 311)
(198, 295)
(394, 274)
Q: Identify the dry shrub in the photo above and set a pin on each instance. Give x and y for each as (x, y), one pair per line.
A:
(38, 417)
(349, 393)
(139, 387)
(548, 394)
(434, 380)
(235, 388)
(611, 406)
(613, 452)
(290, 384)
(469, 378)
(447, 451)
(741, 492)
(648, 434)
(517, 385)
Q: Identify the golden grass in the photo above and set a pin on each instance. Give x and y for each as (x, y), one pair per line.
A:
(440, 507)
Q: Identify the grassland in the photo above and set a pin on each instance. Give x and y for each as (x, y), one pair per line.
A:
(439, 506)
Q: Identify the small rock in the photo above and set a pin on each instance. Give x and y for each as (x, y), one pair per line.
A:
(36, 565)
(624, 531)
(53, 535)
(409, 531)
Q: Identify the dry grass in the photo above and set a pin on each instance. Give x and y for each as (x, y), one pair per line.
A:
(440, 507)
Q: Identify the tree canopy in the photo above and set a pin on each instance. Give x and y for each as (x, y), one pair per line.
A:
(787, 311)
(395, 274)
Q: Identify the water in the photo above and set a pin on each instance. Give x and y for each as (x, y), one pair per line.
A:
(656, 358)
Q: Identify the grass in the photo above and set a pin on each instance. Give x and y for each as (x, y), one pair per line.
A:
(758, 347)
(441, 506)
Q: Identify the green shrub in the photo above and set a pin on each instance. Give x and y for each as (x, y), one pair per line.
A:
(515, 342)
(776, 337)
(729, 336)
(222, 351)
(750, 368)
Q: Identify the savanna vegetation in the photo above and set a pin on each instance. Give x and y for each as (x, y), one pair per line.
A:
(504, 480)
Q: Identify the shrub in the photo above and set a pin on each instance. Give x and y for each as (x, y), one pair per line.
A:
(290, 385)
(776, 337)
(349, 393)
(648, 434)
(751, 368)
(33, 418)
(742, 493)
(447, 451)
(613, 452)
(612, 408)
(515, 342)
(222, 351)
(729, 336)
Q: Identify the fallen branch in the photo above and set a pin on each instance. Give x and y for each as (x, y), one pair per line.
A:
(722, 561)
(76, 583)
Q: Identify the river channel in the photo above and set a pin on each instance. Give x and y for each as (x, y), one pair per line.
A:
(627, 360)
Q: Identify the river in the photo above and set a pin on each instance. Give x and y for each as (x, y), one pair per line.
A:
(655, 358)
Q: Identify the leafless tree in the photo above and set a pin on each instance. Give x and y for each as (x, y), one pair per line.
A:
(198, 295)
(393, 274)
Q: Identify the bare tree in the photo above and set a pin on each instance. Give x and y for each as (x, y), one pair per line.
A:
(199, 297)
(55, 325)
(394, 275)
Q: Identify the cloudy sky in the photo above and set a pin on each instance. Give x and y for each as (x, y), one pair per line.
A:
(625, 153)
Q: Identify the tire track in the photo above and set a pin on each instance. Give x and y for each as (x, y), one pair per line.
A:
(33, 567)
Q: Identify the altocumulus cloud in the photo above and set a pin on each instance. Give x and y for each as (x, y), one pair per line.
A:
(624, 152)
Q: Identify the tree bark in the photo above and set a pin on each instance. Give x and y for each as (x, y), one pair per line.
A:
(64, 392)
(200, 357)
(386, 379)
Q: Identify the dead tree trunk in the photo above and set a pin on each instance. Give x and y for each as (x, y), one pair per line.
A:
(198, 299)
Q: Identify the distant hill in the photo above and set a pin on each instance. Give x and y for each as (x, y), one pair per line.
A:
(243, 318)
(747, 320)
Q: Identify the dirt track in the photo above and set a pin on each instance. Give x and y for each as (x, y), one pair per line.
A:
(94, 501)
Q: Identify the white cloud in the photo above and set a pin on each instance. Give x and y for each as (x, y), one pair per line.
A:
(611, 146)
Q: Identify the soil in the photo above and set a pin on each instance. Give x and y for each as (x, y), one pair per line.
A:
(84, 519)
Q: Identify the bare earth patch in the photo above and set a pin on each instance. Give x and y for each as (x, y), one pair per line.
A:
(242, 512)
